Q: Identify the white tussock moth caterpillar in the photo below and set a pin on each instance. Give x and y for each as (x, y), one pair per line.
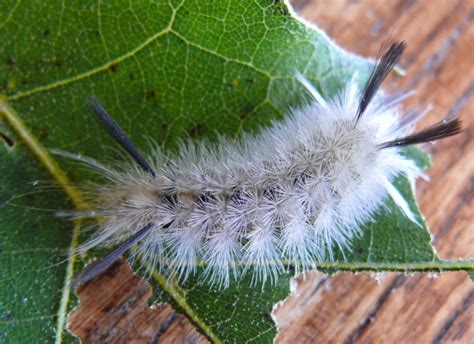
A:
(284, 197)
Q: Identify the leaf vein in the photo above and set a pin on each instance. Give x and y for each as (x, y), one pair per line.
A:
(95, 70)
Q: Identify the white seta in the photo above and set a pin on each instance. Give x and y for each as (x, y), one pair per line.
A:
(292, 193)
(286, 197)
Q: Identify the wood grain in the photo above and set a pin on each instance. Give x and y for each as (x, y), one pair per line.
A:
(362, 308)
(439, 66)
(114, 309)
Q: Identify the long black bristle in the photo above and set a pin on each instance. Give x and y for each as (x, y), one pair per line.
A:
(440, 130)
(119, 135)
(388, 58)
(96, 269)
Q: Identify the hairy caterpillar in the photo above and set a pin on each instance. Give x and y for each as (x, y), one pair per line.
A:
(286, 196)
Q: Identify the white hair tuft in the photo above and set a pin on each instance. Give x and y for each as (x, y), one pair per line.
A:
(286, 197)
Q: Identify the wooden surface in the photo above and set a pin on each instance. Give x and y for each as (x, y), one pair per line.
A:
(363, 308)
(114, 309)
(439, 65)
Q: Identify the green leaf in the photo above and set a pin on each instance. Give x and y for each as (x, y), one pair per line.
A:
(165, 70)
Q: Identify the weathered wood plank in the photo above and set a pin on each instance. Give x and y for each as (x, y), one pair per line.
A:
(114, 309)
(439, 66)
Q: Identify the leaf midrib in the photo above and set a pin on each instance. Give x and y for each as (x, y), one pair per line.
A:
(174, 292)
(53, 168)
(58, 174)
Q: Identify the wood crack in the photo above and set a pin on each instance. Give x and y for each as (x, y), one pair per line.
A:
(467, 302)
(352, 338)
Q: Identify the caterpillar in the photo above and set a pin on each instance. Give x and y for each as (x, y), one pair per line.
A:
(285, 197)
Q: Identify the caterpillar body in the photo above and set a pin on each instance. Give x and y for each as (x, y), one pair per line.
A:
(287, 196)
